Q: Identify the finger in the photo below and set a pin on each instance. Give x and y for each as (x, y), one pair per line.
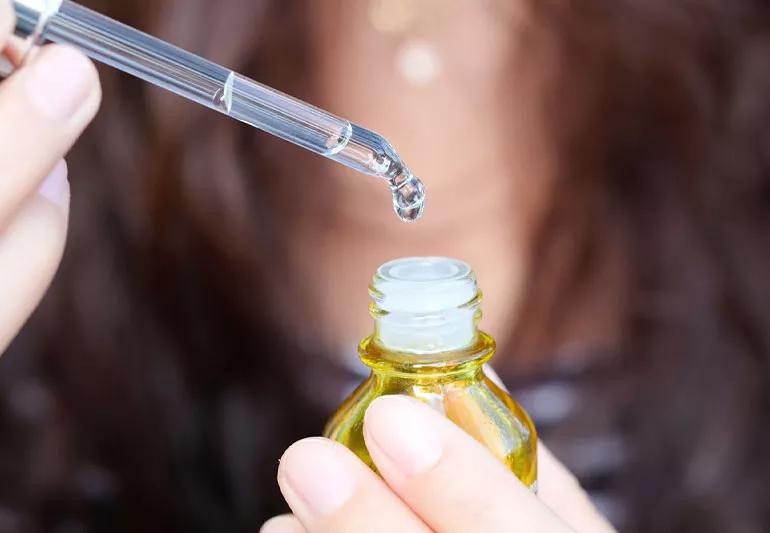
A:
(287, 523)
(560, 490)
(44, 106)
(450, 480)
(7, 22)
(491, 374)
(30, 250)
(330, 489)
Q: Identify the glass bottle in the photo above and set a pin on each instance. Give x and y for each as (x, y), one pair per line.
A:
(426, 344)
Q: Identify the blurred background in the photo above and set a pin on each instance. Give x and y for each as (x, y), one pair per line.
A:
(603, 165)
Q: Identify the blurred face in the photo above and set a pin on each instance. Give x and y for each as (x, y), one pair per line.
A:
(436, 79)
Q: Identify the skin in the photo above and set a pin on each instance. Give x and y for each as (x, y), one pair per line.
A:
(427, 463)
(324, 484)
(42, 113)
(434, 478)
(480, 206)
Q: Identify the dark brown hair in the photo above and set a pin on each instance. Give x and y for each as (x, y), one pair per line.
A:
(658, 113)
(155, 387)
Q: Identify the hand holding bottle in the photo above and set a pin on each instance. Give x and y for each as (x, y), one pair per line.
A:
(436, 478)
(44, 106)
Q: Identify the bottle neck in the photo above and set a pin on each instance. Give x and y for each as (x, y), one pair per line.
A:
(467, 360)
(426, 312)
(425, 333)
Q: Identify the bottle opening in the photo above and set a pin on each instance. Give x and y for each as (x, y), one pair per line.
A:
(425, 304)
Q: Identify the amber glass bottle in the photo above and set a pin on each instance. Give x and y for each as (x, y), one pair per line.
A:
(426, 344)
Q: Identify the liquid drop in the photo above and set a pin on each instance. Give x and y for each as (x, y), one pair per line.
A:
(408, 196)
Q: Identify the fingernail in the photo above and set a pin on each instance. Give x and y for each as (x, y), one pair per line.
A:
(5, 66)
(316, 471)
(403, 432)
(55, 188)
(60, 82)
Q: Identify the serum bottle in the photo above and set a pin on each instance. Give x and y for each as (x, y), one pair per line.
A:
(426, 344)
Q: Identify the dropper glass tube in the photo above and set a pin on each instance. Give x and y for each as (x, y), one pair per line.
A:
(219, 88)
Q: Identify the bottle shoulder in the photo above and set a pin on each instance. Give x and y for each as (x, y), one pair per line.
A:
(476, 404)
(473, 402)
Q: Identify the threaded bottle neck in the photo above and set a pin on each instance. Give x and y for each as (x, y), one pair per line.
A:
(425, 305)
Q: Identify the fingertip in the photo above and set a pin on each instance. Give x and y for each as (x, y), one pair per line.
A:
(286, 523)
(375, 409)
(63, 85)
(390, 405)
(401, 433)
(391, 408)
(317, 476)
(300, 448)
(80, 63)
(379, 411)
(494, 377)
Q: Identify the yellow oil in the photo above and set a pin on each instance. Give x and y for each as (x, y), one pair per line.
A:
(454, 383)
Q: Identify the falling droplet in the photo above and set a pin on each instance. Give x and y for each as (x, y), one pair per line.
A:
(408, 196)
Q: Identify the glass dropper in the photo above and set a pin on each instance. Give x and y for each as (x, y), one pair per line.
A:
(146, 57)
